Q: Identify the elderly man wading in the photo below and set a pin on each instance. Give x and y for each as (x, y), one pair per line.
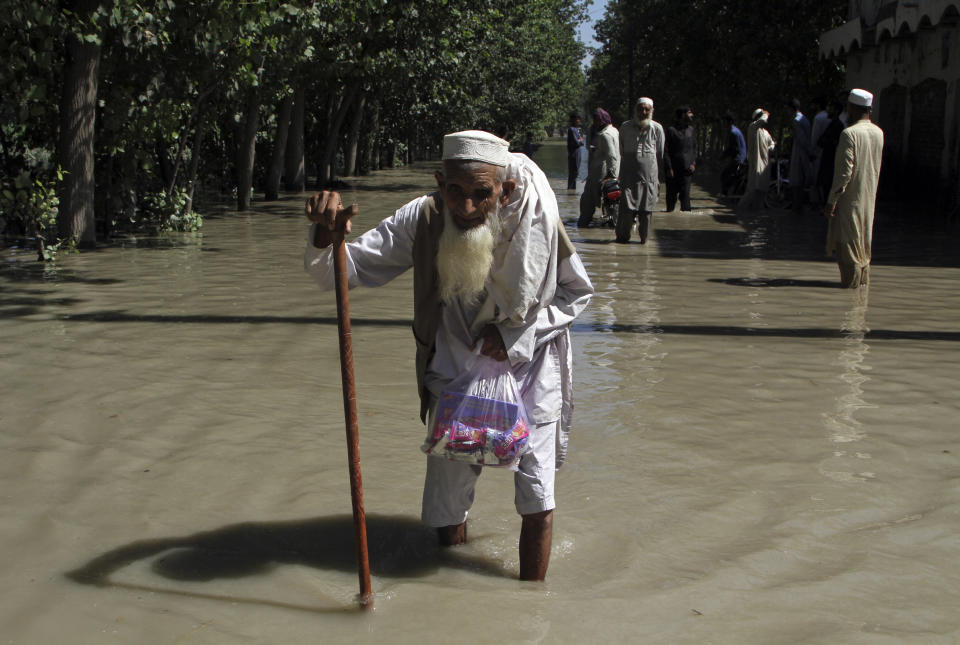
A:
(494, 270)
(641, 153)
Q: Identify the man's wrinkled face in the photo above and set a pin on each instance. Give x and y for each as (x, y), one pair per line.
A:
(644, 111)
(470, 192)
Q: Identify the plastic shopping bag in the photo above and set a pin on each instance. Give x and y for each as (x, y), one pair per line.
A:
(480, 418)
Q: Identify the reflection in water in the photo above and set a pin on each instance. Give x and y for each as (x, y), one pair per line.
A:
(842, 425)
(646, 373)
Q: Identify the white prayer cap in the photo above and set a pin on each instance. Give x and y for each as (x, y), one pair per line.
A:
(476, 145)
(862, 98)
(643, 100)
(757, 114)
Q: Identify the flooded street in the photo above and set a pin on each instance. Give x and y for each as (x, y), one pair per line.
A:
(757, 455)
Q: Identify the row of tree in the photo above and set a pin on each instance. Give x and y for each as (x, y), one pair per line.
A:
(713, 55)
(116, 111)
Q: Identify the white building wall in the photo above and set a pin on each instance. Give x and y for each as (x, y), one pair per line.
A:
(908, 61)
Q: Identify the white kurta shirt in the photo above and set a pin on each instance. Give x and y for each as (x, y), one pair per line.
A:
(759, 146)
(538, 348)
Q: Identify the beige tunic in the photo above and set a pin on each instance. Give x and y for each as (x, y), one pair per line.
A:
(759, 146)
(854, 191)
(604, 156)
(641, 153)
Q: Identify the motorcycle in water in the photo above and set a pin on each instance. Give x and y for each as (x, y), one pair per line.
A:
(609, 202)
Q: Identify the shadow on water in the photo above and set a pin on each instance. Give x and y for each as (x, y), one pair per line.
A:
(765, 332)
(22, 306)
(693, 243)
(40, 272)
(219, 319)
(725, 219)
(898, 239)
(776, 282)
(153, 243)
(390, 188)
(400, 547)
(17, 301)
(581, 240)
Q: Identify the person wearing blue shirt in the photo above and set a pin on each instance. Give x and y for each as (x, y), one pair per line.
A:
(575, 141)
(736, 153)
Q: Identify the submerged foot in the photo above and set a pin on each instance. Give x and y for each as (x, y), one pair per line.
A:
(452, 535)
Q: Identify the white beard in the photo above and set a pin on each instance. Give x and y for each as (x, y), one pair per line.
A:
(643, 124)
(464, 257)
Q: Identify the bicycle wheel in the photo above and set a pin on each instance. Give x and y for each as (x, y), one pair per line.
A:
(776, 198)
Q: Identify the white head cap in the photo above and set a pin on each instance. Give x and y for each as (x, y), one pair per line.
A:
(476, 145)
(757, 114)
(643, 100)
(862, 98)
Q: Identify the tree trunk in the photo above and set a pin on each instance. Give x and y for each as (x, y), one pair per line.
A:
(165, 164)
(391, 153)
(334, 102)
(127, 191)
(372, 139)
(296, 177)
(272, 188)
(104, 198)
(247, 149)
(195, 159)
(328, 164)
(196, 115)
(78, 109)
(350, 165)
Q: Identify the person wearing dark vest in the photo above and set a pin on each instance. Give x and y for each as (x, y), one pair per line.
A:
(680, 158)
(493, 271)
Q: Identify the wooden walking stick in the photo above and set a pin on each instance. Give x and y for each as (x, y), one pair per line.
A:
(350, 412)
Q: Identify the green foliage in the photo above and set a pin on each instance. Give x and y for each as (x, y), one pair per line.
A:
(28, 208)
(175, 77)
(714, 55)
(481, 64)
(164, 212)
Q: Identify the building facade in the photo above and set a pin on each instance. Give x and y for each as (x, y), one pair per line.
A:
(907, 52)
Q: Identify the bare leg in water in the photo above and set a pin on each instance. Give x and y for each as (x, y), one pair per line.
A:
(452, 535)
(536, 538)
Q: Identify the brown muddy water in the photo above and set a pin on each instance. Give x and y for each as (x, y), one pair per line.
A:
(757, 457)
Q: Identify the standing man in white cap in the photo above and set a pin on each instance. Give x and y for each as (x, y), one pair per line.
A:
(852, 197)
(641, 154)
(493, 271)
(759, 146)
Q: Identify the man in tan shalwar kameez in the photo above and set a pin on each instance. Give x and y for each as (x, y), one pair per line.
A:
(852, 198)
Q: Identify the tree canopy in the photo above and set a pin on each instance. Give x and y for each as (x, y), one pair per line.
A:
(118, 111)
(714, 55)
